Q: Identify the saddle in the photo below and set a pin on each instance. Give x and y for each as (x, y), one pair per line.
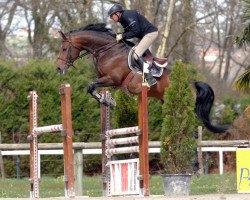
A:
(156, 65)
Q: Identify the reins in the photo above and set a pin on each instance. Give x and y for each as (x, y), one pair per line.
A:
(103, 48)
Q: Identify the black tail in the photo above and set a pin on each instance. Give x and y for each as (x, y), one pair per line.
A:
(203, 105)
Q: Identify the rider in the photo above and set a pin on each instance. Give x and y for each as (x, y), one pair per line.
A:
(136, 25)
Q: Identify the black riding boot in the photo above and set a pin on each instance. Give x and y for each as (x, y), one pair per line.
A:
(148, 76)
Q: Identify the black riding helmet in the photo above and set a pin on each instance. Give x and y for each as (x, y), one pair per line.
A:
(115, 8)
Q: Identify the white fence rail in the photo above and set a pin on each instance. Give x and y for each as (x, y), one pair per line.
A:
(95, 148)
(89, 151)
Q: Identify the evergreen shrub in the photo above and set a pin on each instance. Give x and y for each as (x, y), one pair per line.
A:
(178, 145)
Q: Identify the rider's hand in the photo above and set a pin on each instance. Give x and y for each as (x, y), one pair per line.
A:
(118, 37)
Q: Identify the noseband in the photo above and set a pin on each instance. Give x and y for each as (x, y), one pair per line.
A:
(95, 53)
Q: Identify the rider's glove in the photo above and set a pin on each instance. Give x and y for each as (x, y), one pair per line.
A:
(118, 37)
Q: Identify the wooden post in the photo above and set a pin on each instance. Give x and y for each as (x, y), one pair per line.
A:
(105, 125)
(65, 92)
(221, 162)
(34, 180)
(1, 160)
(104, 158)
(143, 140)
(200, 160)
(78, 171)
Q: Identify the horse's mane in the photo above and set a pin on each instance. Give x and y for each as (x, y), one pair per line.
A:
(96, 27)
(99, 27)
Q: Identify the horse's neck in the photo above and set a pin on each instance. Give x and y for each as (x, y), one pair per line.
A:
(92, 42)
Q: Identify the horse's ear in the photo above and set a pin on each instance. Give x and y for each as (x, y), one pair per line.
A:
(63, 35)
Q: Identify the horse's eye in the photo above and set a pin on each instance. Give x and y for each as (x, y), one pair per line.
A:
(64, 49)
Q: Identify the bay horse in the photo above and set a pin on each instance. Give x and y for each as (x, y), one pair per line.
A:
(111, 64)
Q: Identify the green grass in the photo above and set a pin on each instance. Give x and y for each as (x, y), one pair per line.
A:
(92, 186)
(213, 184)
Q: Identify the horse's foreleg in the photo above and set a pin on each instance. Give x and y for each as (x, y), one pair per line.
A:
(102, 82)
(91, 87)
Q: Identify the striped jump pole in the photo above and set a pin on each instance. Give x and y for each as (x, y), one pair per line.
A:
(66, 131)
(123, 131)
(122, 150)
(141, 139)
(127, 140)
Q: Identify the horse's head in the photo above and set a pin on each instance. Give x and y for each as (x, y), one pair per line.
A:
(68, 53)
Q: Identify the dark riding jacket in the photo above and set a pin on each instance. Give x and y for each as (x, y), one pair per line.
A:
(135, 25)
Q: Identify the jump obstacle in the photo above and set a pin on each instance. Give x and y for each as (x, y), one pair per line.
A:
(113, 182)
(66, 131)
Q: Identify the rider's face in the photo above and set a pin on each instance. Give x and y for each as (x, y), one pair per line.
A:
(115, 16)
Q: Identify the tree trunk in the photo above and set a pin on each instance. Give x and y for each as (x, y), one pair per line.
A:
(4, 30)
(162, 48)
(230, 43)
(40, 38)
(187, 40)
(149, 10)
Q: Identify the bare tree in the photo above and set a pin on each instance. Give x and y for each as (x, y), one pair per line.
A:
(222, 27)
(38, 14)
(7, 12)
(42, 16)
(76, 14)
(162, 48)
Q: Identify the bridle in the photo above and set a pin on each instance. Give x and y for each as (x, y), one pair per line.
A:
(94, 52)
(69, 60)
